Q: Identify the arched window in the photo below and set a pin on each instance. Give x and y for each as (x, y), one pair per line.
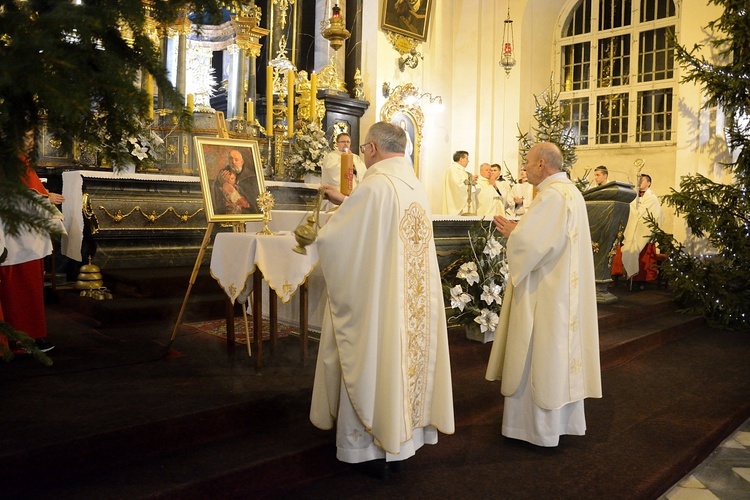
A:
(617, 78)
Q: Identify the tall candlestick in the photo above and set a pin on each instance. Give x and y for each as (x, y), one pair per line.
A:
(269, 101)
(347, 173)
(190, 103)
(290, 104)
(250, 112)
(313, 97)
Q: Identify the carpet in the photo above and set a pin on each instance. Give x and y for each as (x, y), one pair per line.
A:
(218, 328)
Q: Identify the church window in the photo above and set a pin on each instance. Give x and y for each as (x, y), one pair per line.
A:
(617, 76)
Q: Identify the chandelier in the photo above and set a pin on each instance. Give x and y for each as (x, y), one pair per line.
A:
(507, 61)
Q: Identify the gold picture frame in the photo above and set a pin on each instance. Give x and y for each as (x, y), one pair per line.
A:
(402, 109)
(230, 190)
(410, 18)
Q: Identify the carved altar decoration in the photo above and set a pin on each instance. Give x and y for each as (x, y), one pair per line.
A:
(403, 109)
(608, 207)
(303, 98)
(328, 78)
(407, 48)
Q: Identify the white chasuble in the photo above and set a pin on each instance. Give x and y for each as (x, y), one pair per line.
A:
(550, 302)
(385, 333)
(455, 194)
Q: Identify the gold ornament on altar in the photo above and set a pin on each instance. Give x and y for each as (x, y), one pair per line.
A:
(265, 203)
(470, 183)
(329, 78)
(306, 233)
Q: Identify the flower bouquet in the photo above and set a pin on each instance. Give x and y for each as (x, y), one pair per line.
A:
(476, 290)
(308, 149)
(146, 149)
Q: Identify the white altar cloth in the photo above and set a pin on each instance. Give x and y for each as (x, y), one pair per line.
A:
(236, 255)
(242, 269)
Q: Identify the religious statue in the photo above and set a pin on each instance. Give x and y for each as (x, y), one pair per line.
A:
(359, 92)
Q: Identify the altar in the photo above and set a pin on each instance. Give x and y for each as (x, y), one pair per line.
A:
(130, 220)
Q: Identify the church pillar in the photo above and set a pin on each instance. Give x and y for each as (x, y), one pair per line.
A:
(181, 69)
(243, 87)
(236, 90)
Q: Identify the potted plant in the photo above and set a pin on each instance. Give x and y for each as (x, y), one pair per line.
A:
(476, 289)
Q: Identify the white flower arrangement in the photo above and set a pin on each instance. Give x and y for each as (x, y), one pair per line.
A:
(308, 149)
(478, 295)
(146, 149)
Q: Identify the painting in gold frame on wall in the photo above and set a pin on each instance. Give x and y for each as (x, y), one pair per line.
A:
(410, 18)
(231, 175)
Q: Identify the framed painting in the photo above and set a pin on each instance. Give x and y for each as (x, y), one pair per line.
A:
(231, 175)
(407, 17)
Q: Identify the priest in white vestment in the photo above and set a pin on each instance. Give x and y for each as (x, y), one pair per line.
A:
(637, 232)
(331, 169)
(523, 193)
(383, 369)
(495, 197)
(456, 189)
(546, 348)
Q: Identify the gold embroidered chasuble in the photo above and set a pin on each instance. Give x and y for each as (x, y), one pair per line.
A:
(385, 332)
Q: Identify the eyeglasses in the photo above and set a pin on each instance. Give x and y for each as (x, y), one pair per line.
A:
(362, 147)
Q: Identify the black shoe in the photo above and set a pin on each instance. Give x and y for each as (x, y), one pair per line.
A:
(44, 345)
(374, 468)
(397, 466)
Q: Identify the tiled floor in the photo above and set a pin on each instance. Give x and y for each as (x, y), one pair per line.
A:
(725, 474)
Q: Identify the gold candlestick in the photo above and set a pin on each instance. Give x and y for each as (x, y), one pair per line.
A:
(265, 203)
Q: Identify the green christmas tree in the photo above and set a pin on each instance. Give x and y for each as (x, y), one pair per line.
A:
(552, 126)
(76, 64)
(716, 285)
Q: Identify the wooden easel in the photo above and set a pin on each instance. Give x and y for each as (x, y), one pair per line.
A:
(237, 227)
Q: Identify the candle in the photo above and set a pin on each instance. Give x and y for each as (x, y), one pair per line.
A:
(347, 173)
(190, 103)
(290, 104)
(149, 84)
(313, 97)
(250, 112)
(269, 100)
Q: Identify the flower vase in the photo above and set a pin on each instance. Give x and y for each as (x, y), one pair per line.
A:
(474, 332)
(127, 167)
(312, 178)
